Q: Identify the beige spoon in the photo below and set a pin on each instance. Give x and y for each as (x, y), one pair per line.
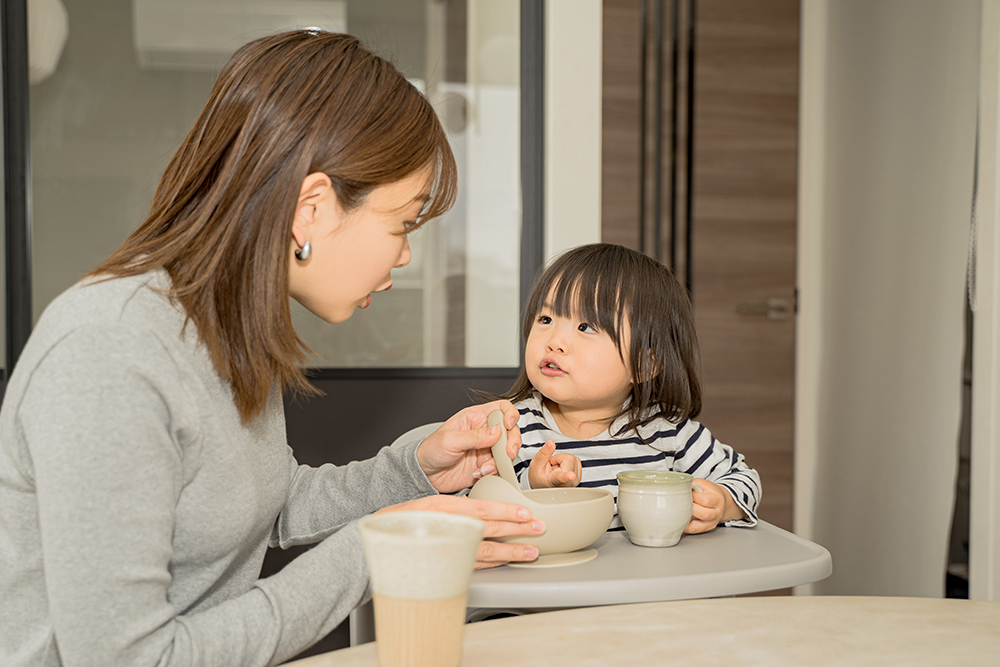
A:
(500, 456)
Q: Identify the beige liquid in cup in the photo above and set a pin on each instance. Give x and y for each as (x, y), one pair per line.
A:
(420, 564)
(419, 633)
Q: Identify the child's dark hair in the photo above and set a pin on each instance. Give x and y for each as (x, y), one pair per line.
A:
(608, 285)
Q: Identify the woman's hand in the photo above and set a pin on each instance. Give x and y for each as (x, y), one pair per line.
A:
(550, 469)
(500, 519)
(458, 453)
(712, 506)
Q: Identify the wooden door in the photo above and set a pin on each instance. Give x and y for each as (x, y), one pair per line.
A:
(744, 212)
(745, 139)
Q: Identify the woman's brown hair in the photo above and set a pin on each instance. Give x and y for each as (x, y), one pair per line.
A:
(283, 107)
(608, 286)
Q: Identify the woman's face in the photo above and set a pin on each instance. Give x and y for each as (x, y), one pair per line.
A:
(353, 252)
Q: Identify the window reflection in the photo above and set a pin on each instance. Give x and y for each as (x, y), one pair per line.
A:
(135, 73)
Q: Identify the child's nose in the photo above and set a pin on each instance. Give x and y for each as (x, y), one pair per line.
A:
(556, 344)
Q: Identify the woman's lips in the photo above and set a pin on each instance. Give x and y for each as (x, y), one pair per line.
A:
(368, 299)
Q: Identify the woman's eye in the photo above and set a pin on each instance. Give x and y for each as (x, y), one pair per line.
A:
(586, 328)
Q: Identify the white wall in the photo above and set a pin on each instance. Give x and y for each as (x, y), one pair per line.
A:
(809, 279)
(572, 124)
(889, 95)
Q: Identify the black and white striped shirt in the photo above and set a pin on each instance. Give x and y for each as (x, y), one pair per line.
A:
(684, 447)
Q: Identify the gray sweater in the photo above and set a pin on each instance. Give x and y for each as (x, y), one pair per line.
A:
(136, 508)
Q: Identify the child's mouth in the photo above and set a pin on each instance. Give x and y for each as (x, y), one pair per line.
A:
(551, 368)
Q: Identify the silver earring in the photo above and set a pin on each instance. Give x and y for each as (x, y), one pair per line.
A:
(305, 252)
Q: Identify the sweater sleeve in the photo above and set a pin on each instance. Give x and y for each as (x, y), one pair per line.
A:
(101, 418)
(701, 455)
(321, 500)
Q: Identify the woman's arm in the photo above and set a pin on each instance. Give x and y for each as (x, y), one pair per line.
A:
(409, 477)
(322, 500)
(149, 542)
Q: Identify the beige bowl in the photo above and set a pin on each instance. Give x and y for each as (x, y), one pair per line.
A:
(574, 518)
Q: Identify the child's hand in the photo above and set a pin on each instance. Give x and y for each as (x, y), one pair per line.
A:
(548, 469)
(711, 507)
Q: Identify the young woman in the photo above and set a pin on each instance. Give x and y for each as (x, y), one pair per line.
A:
(143, 463)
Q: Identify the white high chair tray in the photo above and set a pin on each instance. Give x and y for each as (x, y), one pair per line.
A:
(724, 562)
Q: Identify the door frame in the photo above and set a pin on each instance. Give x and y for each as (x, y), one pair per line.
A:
(984, 518)
(17, 180)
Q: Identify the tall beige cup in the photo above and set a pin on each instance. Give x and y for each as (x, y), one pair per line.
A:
(420, 564)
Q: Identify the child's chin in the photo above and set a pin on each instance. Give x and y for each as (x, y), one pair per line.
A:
(555, 397)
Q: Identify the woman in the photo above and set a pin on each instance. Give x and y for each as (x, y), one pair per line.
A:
(143, 463)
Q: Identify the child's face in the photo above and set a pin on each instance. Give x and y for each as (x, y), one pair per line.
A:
(571, 363)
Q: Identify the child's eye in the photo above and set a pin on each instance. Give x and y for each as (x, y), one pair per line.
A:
(586, 328)
(544, 319)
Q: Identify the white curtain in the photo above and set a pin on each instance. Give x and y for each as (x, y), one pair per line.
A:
(887, 171)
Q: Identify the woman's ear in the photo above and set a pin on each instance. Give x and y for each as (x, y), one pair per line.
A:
(315, 195)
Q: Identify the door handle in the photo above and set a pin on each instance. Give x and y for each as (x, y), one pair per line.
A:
(773, 309)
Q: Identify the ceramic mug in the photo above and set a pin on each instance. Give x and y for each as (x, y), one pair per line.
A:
(655, 505)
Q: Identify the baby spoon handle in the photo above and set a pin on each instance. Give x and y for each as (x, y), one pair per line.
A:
(500, 456)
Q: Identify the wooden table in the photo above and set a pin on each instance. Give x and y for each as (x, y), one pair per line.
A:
(769, 631)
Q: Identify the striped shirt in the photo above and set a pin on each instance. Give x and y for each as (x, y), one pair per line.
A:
(683, 447)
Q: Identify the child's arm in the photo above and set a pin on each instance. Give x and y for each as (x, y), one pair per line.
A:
(548, 469)
(706, 458)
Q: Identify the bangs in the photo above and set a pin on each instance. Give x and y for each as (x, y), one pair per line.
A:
(418, 121)
(591, 293)
(444, 187)
(396, 134)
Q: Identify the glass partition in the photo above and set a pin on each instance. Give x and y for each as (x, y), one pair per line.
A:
(133, 76)
(3, 253)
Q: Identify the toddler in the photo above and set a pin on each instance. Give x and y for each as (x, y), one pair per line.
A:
(610, 379)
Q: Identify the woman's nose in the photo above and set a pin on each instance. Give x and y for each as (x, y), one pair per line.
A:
(405, 254)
